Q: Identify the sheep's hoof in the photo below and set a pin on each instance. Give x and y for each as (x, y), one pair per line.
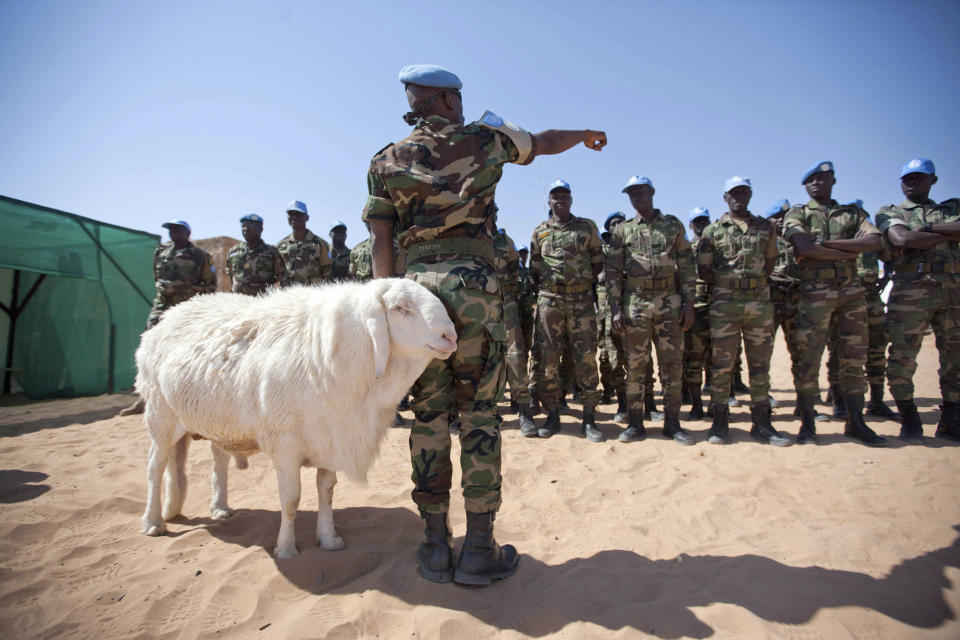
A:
(156, 529)
(335, 543)
(282, 554)
(221, 513)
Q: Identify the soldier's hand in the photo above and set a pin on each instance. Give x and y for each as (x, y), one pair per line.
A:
(595, 140)
(686, 315)
(617, 322)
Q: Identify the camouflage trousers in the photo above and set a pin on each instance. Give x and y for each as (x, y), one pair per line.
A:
(613, 358)
(516, 357)
(913, 306)
(821, 304)
(526, 325)
(568, 321)
(786, 303)
(696, 346)
(876, 341)
(653, 319)
(471, 382)
(732, 315)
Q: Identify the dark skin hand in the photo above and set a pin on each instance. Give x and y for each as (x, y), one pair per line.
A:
(916, 186)
(819, 187)
(251, 233)
(641, 198)
(179, 236)
(298, 222)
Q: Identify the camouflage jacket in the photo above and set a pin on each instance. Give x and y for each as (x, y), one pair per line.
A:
(440, 181)
(181, 274)
(340, 267)
(703, 288)
(732, 251)
(526, 297)
(784, 270)
(836, 222)
(911, 264)
(361, 261)
(305, 261)
(563, 254)
(868, 267)
(657, 250)
(253, 270)
(508, 263)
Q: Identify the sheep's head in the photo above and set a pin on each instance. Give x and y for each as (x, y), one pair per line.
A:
(412, 322)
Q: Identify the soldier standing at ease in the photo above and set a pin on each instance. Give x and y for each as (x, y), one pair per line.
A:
(826, 238)
(361, 260)
(306, 256)
(565, 258)
(253, 265)
(736, 255)
(339, 253)
(613, 358)
(526, 301)
(650, 280)
(436, 189)
(696, 340)
(181, 270)
(926, 291)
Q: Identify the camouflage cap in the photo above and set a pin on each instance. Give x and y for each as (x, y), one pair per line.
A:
(819, 167)
(918, 165)
(778, 207)
(430, 75)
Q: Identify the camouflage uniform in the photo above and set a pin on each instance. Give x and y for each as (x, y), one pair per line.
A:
(305, 261)
(926, 291)
(737, 252)
(829, 290)
(252, 271)
(613, 358)
(450, 251)
(868, 271)
(516, 357)
(562, 256)
(361, 261)
(650, 270)
(785, 296)
(696, 340)
(340, 263)
(180, 274)
(526, 303)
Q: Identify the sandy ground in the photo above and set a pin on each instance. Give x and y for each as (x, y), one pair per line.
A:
(640, 540)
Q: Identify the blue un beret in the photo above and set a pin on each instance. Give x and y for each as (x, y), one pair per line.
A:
(430, 75)
(778, 207)
(918, 165)
(252, 217)
(698, 212)
(819, 167)
(615, 214)
(180, 223)
(559, 184)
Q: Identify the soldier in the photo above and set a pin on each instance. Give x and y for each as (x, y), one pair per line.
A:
(565, 258)
(306, 256)
(181, 270)
(437, 188)
(650, 281)
(613, 359)
(736, 255)
(826, 238)
(696, 340)
(926, 291)
(526, 300)
(253, 265)
(361, 262)
(339, 253)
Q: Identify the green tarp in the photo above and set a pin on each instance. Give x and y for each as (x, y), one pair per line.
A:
(75, 294)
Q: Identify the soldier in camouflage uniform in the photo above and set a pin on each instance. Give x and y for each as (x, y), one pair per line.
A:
(736, 255)
(361, 260)
(306, 256)
(613, 358)
(253, 265)
(925, 238)
(526, 300)
(565, 258)
(826, 238)
(650, 283)
(436, 189)
(339, 252)
(696, 340)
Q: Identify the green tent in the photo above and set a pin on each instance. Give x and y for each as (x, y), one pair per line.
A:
(75, 294)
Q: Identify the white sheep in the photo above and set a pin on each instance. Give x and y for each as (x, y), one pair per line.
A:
(309, 375)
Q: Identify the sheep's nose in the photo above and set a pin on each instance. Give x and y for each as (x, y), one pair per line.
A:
(450, 336)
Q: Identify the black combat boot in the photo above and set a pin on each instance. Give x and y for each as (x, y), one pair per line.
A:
(696, 403)
(563, 406)
(481, 559)
(672, 428)
(762, 430)
(877, 407)
(435, 555)
(635, 429)
(839, 405)
(528, 428)
(621, 415)
(685, 394)
(720, 429)
(589, 426)
(551, 425)
(911, 429)
(808, 418)
(856, 428)
(949, 425)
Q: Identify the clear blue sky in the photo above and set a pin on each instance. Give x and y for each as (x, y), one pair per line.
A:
(139, 112)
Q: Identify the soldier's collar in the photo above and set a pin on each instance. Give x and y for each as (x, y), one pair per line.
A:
(656, 214)
(813, 204)
(910, 204)
(435, 119)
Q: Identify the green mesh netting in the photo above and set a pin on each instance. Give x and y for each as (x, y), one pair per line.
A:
(75, 294)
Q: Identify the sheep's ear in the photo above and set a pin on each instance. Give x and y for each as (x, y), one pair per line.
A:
(380, 336)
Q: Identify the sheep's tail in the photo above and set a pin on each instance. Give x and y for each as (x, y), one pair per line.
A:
(175, 479)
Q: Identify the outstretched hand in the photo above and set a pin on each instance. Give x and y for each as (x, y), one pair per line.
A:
(595, 140)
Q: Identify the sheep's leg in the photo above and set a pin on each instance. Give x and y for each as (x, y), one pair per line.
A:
(288, 477)
(326, 535)
(152, 522)
(218, 484)
(175, 479)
